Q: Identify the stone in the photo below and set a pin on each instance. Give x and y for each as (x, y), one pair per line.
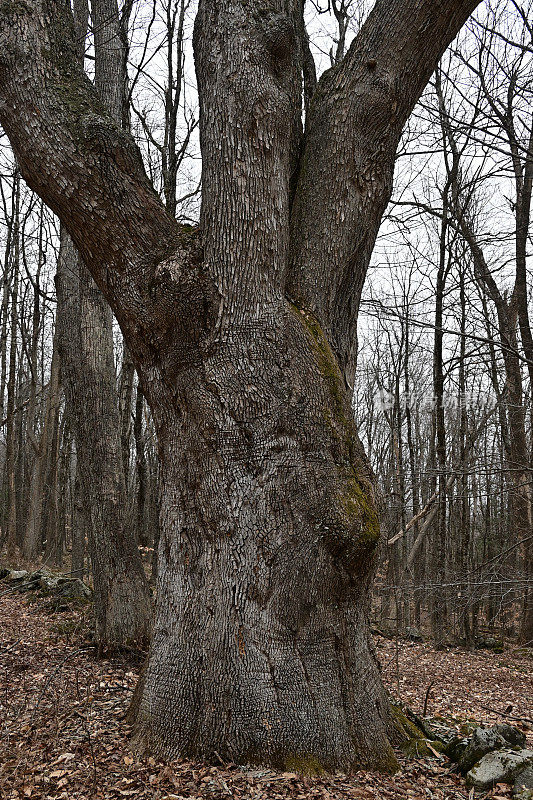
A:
(456, 748)
(74, 589)
(48, 582)
(501, 766)
(17, 575)
(524, 780)
(490, 643)
(481, 742)
(525, 794)
(413, 634)
(514, 736)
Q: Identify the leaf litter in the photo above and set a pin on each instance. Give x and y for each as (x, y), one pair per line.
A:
(63, 734)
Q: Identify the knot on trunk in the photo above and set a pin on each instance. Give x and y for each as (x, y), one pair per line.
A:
(280, 38)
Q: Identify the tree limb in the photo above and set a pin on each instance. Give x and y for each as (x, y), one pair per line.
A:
(354, 124)
(76, 157)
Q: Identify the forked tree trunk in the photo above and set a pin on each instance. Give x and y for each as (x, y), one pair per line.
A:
(260, 650)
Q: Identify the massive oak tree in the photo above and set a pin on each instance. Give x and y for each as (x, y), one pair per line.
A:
(243, 335)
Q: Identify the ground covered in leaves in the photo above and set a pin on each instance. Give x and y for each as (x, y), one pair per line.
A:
(63, 734)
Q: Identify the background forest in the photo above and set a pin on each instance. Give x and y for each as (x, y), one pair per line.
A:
(443, 390)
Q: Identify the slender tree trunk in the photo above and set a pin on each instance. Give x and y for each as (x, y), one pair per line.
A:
(140, 461)
(125, 396)
(33, 539)
(11, 522)
(413, 474)
(464, 515)
(33, 454)
(21, 471)
(510, 313)
(53, 551)
(6, 292)
(122, 602)
(438, 602)
(524, 184)
(78, 521)
(85, 329)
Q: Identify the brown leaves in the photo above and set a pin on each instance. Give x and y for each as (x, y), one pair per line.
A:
(476, 686)
(63, 735)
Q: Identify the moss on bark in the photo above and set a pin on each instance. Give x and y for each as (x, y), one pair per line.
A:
(355, 496)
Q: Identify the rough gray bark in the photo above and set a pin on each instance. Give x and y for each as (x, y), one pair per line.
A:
(260, 650)
(79, 526)
(355, 121)
(141, 472)
(122, 600)
(85, 323)
(32, 543)
(125, 397)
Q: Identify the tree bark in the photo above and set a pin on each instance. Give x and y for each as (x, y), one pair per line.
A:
(355, 120)
(122, 601)
(32, 544)
(11, 520)
(269, 530)
(85, 326)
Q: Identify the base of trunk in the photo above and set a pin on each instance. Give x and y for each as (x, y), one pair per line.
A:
(260, 653)
(123, 613)
(314, 706)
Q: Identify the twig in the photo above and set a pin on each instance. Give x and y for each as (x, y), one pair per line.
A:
(426, 698)
(54, 673)
(11, 646)
(505, 714)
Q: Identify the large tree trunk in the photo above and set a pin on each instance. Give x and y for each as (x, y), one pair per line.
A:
(268, 525)
(261, 649)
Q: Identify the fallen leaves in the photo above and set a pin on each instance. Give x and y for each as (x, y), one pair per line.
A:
(476, 685)
(63, 734)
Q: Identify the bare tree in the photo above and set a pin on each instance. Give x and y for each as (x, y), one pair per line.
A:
(85, 340)
(242, 334)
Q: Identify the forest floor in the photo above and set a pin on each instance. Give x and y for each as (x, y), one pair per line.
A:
(63, 734)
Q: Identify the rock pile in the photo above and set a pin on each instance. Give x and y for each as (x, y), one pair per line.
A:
(60, 588)
(492, 755)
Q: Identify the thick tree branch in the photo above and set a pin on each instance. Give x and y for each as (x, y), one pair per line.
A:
(76, 157)
(354, 124)
(248, 67)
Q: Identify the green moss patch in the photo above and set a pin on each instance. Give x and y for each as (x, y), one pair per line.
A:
(355, 496)
(304, 764)
(358, 506)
